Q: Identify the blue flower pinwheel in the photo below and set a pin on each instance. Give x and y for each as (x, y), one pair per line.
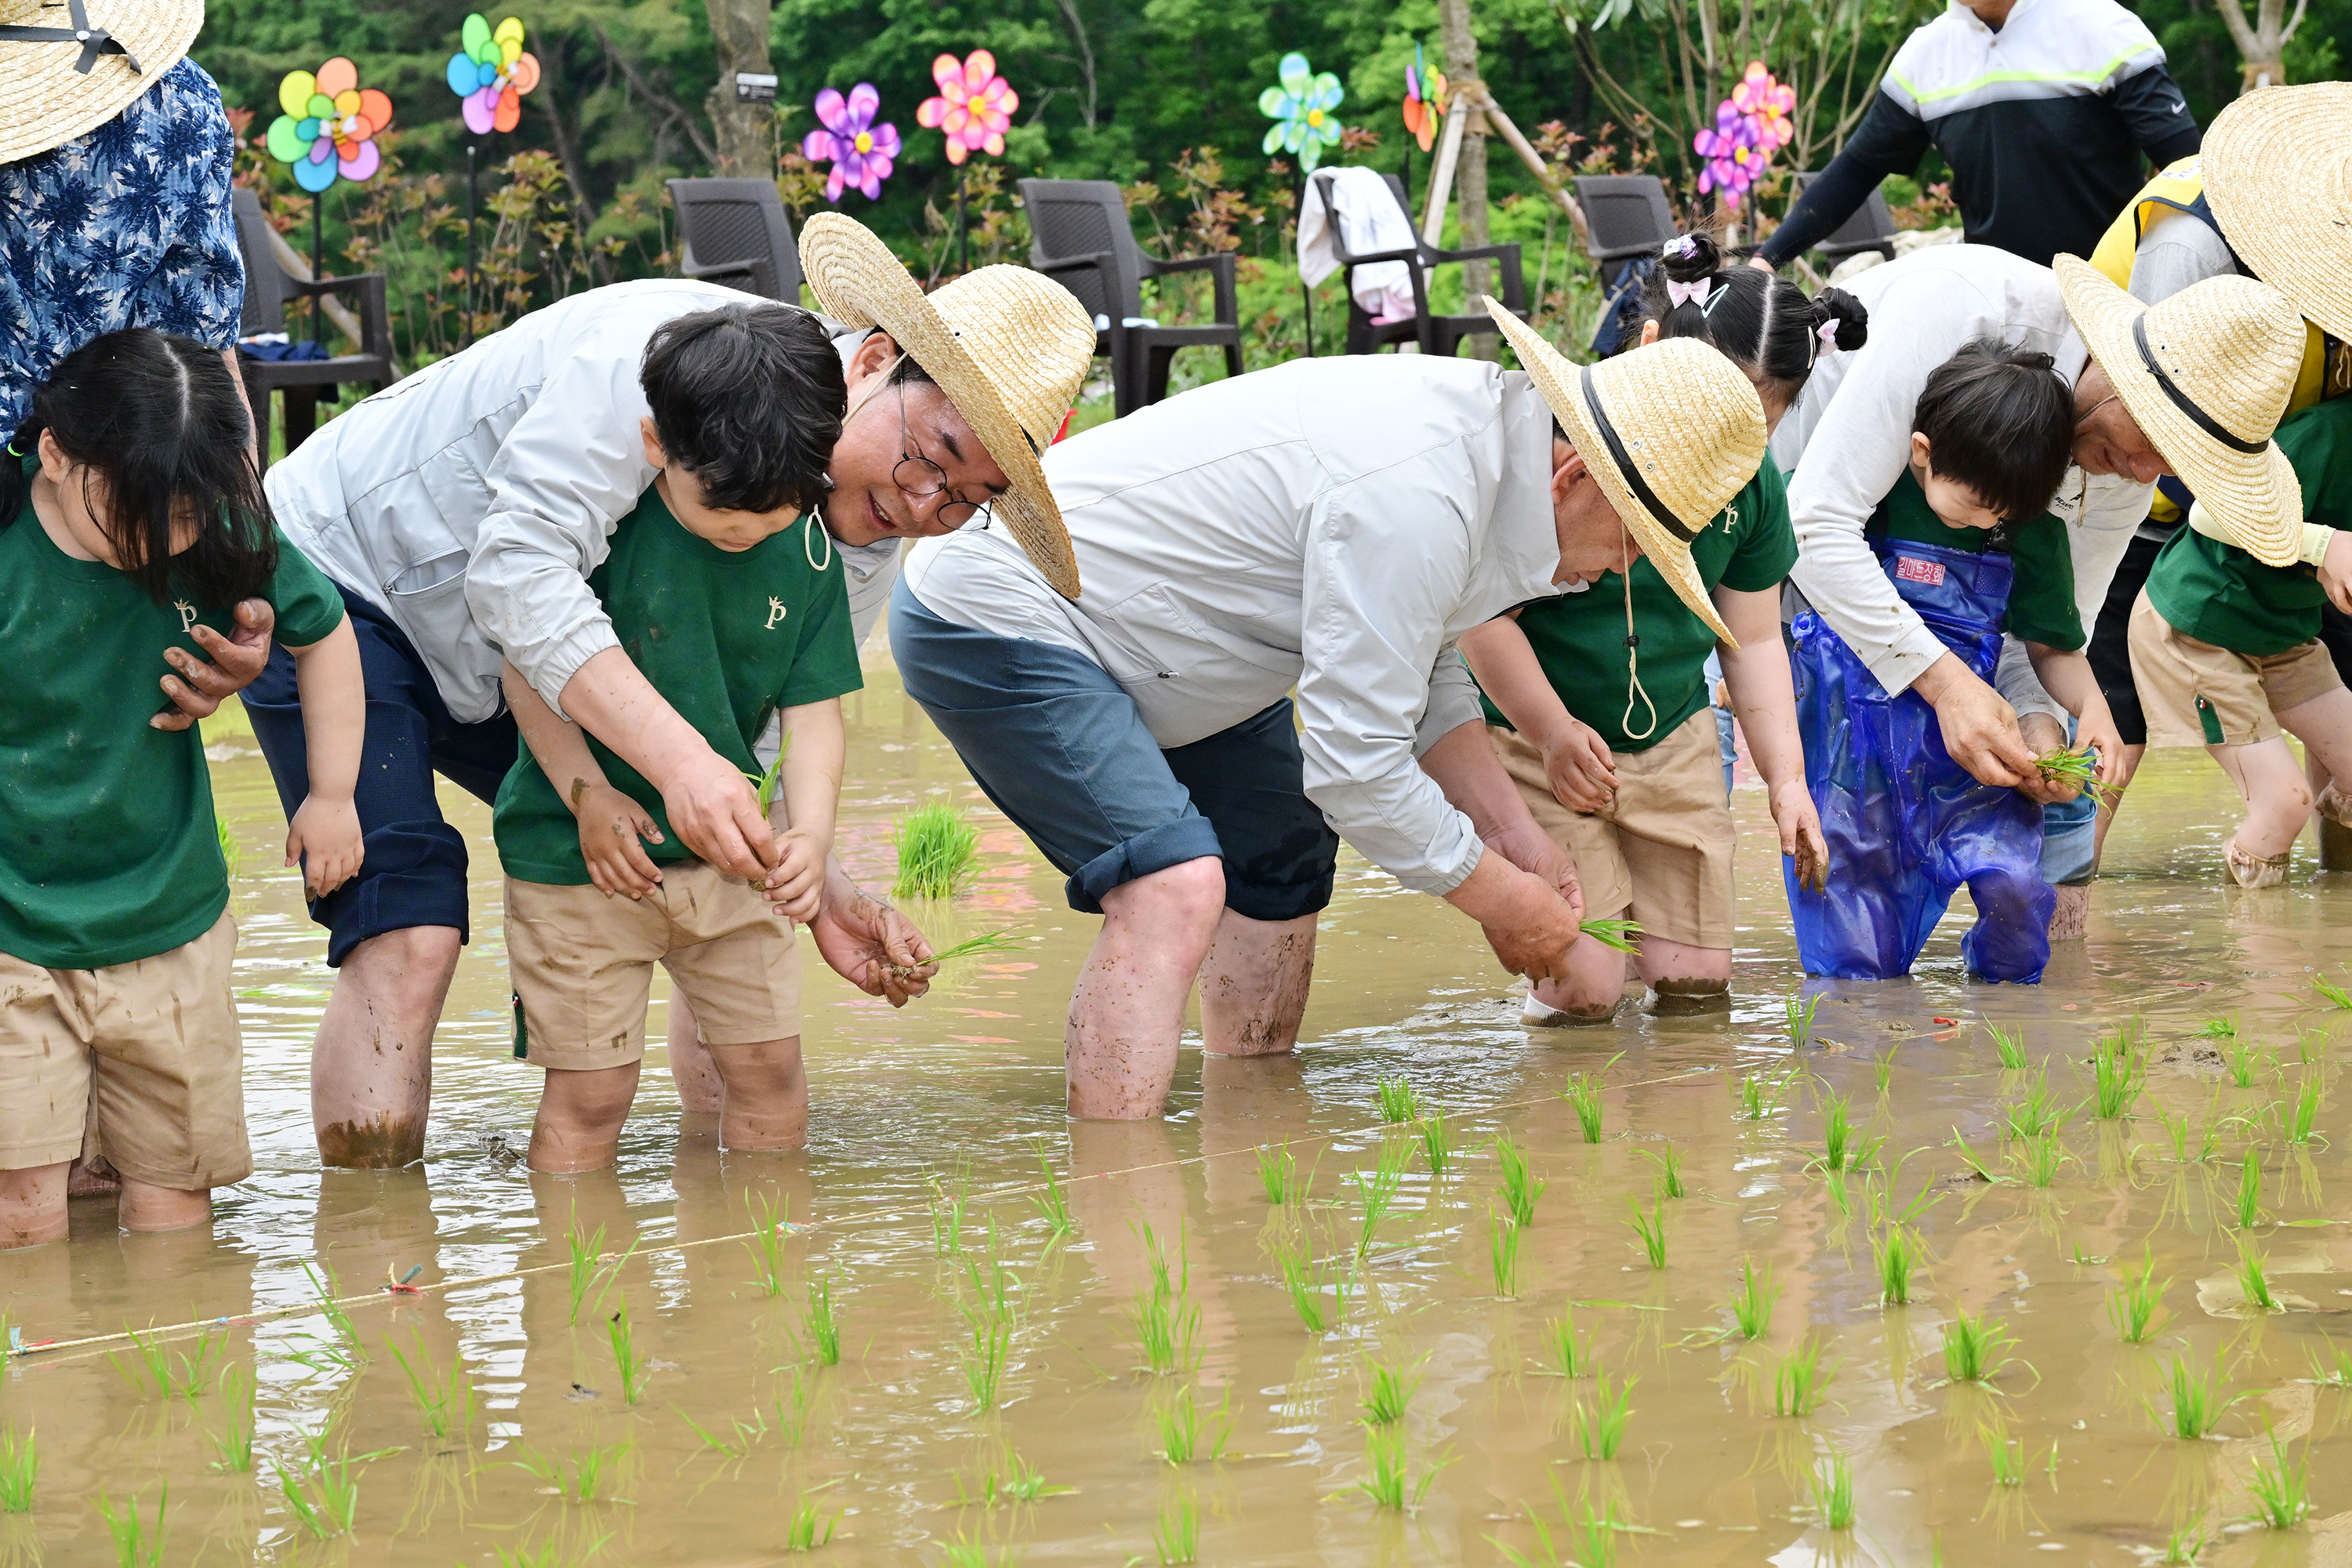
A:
(1301, 110)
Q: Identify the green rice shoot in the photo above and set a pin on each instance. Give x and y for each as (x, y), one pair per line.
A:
(1187, 1437)
(1800, 1020)
(1617, 934)
(2132, 1308)
(2006, 1454)
(1599, 1422)
(1387, 1392)
(1797, 1379)
(1436, 1142)
(2010, 1048)
(1399, 1103)
(1176, 1535)
(1053, 1205)
(444, 1399)
(1975, 1348)
(1568, 1348)
(2281, 1490)
(2250, 1192)
(824, 1327)
(2194, 1405)
(135, 1546)
(1751, 1306)
(1668, 1162)
(20, 1465)
(1649, 1232)
(1833, 1492)
(936, 844)
(2254, 1279)
(1503, 1253)
(2336, 995)
(1277, 1172)
(1521, 1187)
(1896, 1254)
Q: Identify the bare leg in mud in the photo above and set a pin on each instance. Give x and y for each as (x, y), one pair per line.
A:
(1128, 1012)
(1253, 984)
(1682, 975)
(372, 1072)
(699, 1088)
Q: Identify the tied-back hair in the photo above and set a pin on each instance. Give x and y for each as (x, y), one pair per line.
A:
(748, 398)
(2000, 420)
(1763, 323)
(158, 428)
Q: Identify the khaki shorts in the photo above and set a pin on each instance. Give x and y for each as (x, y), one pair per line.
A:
(2199, 695)
(143, 1058)
(584, 966)
(1664, 847)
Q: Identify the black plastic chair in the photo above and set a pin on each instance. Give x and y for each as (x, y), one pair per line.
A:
(1626, 216)
(1434, 334)
(1871, 227)
(268, 287)
(734, 232)
(1079, 235)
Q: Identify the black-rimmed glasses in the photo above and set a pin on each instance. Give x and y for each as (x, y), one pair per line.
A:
(920, 479)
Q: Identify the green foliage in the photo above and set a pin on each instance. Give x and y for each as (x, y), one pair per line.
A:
(1975, 1348)
(1583, 1097)
(1053, 1203)
(1649, 1232)
(2281, 1490)
(1616, 934)
(1669, 1164)
(1399, 1102)
(1801, 1019)
(444, 1399)
(2132, 1308)
(1833, 1492)
(1277, 1172)
(1600, 1421)
(581, 1478)
(936, 845)
(2011, 1047)
(1503, 1253)
(823, 1328)
(625, 1360)
(1898, 1256)
(2194, 1405)
(1570, 1349)
(20, 1464)
(1187, 1438)
(1797, 1379)
(1436, 1142)
(1751, 1308)
(137, 1544)
(1176, 1535)
(1521, 1188)
(1306, 1287)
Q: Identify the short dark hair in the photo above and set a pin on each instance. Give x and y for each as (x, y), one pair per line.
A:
(2000, 420)
(1764, 324)
(157, 420)
(748, 399)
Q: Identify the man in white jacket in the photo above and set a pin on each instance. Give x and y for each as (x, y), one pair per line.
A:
(1329, 525)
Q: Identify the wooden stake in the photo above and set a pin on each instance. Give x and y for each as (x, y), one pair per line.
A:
(1441, 179)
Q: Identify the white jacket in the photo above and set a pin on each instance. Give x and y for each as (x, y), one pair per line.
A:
(1331, 524)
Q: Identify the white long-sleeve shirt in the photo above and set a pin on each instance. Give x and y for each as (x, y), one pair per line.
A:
(1847, 439)
(1331, 524)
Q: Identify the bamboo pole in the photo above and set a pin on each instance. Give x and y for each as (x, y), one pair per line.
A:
(1533, 160)
(1441, 179)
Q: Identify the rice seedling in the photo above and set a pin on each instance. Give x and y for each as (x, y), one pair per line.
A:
(1617, 934)
(1166, 1321)
(2250, 1192)
(936, 844)
(2132, 1309)
(625, 1358)
(2185, 1545)
(1390, 1483)
(1176, 1535)
(2187, 1150)
(136, 1543)
(232, 853)
(2119, 1073)
(335, 1505)
(1797, 1379)
(2006, 1454)
(1760, 1093)
(1882, 1073)
(1568, 1348)
(806, 1529)
(2300, 1123)
(1599, 1549)
(1600, 1423)
(234, 1442)
(823, 1328)
(1503, 1253)
(2224, 1027)
(1053, 1203)
(984, 1363)
(771, 1228)
(2244, 1062)
(345, 1349)
(947, 1216)
(2010, 1048)
(1436, 1142)
(2254, 1279)
(1187, 1438)
(1021, 1482)
(2336, 995)
(1304, 1286)
(1521, 1187)
(2033, 1115)
(1002, 940)
(1843, 1147)
(1583, 1097)
(1650, 1230)
(1669, 1164)
(1387, 1391)
(1800, 1020)
(1398, 1102)
(444, 1399)
(1896, 1254)
(2310, 1047)
(587, 1270)
(962, 1553)
(1975, 1348)
(174, 1375)
(1277, 1172)
(20, 1465)
(2060, 765)
(1376, 1192)
(2281, 1490)
(1833, 1492)
(2331, 1367)
(579, 1479)
(2196, 1405)
(1752, 1304)
(2037, 1160)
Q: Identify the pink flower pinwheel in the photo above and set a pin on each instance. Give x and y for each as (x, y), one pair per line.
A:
(1729, 149)
(1767, 103)
(859, 151)
(974, 107)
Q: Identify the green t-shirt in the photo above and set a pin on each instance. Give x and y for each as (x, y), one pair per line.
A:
(1580, 640)
(2041, 606)
(2218, 593)
(109, 851)
(728, 637)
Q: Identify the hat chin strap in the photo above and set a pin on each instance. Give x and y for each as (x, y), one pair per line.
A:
(94, 41)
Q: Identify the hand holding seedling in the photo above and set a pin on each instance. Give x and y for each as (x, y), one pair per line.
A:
(716, 812)
(610, 826)
(237, 661)
(870, 944)
(325, 838)
(1980, 727)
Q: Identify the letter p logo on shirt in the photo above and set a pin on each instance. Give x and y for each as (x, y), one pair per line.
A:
(775, 612)
(187, 614)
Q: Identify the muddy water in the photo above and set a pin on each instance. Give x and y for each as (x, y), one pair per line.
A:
(958, 1098)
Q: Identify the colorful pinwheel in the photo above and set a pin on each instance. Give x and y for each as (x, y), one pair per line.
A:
(330, 125)
(1301, 109)
(1750, 127)
(974, 107)
(859, 151)
(491, 72)
(1423, 112)
(1768, 104)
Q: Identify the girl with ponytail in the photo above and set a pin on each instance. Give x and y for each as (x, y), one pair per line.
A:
(1632, 783)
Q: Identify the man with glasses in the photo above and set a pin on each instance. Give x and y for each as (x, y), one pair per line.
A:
(461, 512)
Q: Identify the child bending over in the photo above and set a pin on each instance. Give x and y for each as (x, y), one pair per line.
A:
(130, 513)
(726, 597)
(1967, 541)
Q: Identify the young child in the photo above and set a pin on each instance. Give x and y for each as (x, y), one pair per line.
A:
(727, 597)
(2225, 652)
(1968, 542)
(1621, 762)
(130, 512)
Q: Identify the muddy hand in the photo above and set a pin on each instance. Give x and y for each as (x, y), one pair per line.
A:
(236, 662)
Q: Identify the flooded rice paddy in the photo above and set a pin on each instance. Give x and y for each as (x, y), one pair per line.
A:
(950, 1356)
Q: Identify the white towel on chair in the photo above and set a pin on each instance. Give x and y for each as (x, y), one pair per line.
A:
(1370, 221)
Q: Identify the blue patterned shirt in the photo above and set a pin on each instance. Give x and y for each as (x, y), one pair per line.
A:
(127, 226)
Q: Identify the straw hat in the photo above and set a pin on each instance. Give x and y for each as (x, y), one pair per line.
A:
(82, 63)
(1008, 346)
(2278, 175)
(2207, 375)
(1670, 433)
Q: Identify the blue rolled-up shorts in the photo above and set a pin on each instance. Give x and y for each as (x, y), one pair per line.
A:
(414, 873)
(1064, 751)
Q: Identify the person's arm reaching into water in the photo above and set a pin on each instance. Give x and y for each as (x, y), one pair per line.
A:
(1765, 702)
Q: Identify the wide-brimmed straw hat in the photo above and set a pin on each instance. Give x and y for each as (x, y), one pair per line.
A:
(67, 66)
(2278, 175)
(2207, 375)
(1670, 433)
(1009, 347)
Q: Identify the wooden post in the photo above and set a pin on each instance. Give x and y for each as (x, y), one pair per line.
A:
(1441, 179)
(1533, 160)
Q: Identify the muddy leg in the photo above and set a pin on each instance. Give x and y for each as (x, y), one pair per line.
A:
(1253, 984)
(580, 1115)
(1686, 979)
(767, 1095)
(33, 1205)
(149, 1208)
(1129, 1009)
(1593, 990)
(372, 1070)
